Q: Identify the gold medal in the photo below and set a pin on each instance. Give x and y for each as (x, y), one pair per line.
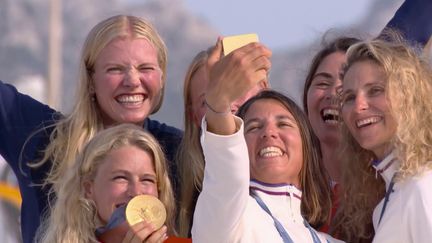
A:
(146, 208)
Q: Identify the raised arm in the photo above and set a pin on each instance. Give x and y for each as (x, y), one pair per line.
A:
(225, 192)
(20, 116)
(230, 78)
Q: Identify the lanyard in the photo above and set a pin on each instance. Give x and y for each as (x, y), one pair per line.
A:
(118, 217)
(279, 227)
(387, 197)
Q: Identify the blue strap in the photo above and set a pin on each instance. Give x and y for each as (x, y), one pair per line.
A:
(279, 227)
(387, 198)
(313, 232)
(117, 217)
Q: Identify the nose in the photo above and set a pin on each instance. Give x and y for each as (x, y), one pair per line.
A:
(132, 78)
(135, 189)
(361, 103)
(269, 131)
(332, 93)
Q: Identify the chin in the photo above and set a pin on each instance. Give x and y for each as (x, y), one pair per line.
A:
(135, 119)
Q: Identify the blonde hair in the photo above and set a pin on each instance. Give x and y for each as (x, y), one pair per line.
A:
(190, 156)
(73, 131)
(74, 217)
(408, 92)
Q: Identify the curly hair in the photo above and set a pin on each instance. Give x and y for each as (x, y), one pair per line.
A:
(73, 217)
(408, 93)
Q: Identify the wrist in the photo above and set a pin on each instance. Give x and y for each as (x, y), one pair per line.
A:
(217, 111)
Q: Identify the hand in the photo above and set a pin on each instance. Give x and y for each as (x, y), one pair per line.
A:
(234, 75)
(145, 232)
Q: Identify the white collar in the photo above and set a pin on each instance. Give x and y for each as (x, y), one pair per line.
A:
(281, 189)
(281, 199)
(388, 167)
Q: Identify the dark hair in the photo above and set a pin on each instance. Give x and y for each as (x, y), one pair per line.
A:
(314, 180)
(340, 44)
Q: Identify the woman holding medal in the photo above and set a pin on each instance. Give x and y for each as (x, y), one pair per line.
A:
(253, 181)
(387, 158)
(122, 80)
(115, 166)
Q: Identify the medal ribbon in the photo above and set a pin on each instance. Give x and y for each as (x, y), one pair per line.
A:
(279, 227)
(117, 217)
(387, 197)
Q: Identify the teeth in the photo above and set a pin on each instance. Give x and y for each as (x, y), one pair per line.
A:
(331, 116)
(331, 112)
(130, 98)
(270, 152)
(335, 122)
(368, 121)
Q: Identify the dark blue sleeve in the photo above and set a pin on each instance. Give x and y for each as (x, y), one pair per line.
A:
(20, 117)
(414, 20)
(169, 138)
(24, 133)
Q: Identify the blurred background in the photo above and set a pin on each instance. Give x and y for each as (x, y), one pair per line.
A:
(41, 40)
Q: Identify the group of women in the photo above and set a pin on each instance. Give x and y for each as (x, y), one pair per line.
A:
(250, 167)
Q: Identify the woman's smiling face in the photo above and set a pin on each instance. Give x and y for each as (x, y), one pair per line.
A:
(274, 143)
(127, 81)
(365, 108)
(124, 173)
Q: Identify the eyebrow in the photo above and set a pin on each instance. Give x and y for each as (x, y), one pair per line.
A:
(147, 175)
(129, 172)
(278, 117)
(120, 63)
(367, 85)
(286, 117)
(322, 74)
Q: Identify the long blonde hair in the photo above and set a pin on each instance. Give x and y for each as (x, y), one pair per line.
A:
(190, 156)
(73, 217)
(73, 131)
(408, 92)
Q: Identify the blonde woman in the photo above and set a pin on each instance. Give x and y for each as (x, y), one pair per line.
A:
(122, 78)
(387, 157)
(190, 158)
(118, 164)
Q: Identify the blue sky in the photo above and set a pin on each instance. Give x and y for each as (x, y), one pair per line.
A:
(280, 23)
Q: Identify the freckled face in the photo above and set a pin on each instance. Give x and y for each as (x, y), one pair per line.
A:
(127, 81)
(274, 143)
(124, 173)
(365, 109)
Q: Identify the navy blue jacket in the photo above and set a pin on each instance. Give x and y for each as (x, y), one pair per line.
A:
(20, 117)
